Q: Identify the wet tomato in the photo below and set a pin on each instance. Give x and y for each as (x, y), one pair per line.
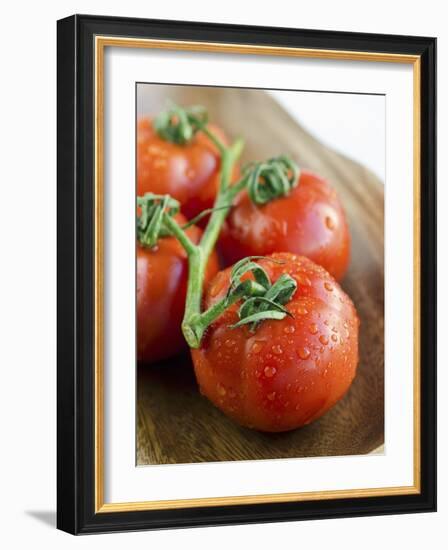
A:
(286, 373)
(162, 275)
(189, 173)
(309, 221)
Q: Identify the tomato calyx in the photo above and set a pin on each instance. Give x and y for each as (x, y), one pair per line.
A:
(178, 124)
(257, 307)
(260, 298)
(271, 179)
(150, 221)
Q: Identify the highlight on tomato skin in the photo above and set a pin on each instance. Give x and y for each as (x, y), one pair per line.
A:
(289, 372)
(309, 221)
(162, 276)
(189, 173)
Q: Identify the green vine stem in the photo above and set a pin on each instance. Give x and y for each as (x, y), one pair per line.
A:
(198, 255)
(260, 298)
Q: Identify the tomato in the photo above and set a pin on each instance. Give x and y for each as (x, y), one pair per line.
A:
(189, 173)
(287, 372)
(309, 221)
(162, 275)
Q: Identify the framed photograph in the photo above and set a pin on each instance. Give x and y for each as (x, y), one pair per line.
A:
(246, 274)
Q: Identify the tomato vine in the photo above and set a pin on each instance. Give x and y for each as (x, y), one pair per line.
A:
(264, 181)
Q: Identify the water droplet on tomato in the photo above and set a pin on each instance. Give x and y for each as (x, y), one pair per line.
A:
(269, 372)
(154, 149)
(301, 310)
(257, 346)
(334, 337)
(221, 389)
(159, 163)
(329, 222)
(289, 329)
(323, 339)
(313, 328)
(229, 343)
(303, 353)
(277, 350)
(328, 287)
(271, 396)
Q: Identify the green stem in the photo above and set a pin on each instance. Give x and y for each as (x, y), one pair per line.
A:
(202, 215)
(206, 318)
(193, 325)
(196, 271)
(224, 199)
(214, 139)
(180, 235)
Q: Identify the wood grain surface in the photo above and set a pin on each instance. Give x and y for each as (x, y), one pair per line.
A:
(175, 423)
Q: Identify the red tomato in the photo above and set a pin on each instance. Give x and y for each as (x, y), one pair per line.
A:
(189, 173)
(162, 276)
(288, 372)
(310, 221)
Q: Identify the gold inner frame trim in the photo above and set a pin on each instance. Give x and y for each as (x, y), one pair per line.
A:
(101, 42)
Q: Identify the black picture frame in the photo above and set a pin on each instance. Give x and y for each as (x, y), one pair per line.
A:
(75, 264)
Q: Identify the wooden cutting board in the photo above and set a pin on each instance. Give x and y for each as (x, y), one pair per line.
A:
(175, 423)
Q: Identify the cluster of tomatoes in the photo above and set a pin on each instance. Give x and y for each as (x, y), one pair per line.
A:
(282, 372)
